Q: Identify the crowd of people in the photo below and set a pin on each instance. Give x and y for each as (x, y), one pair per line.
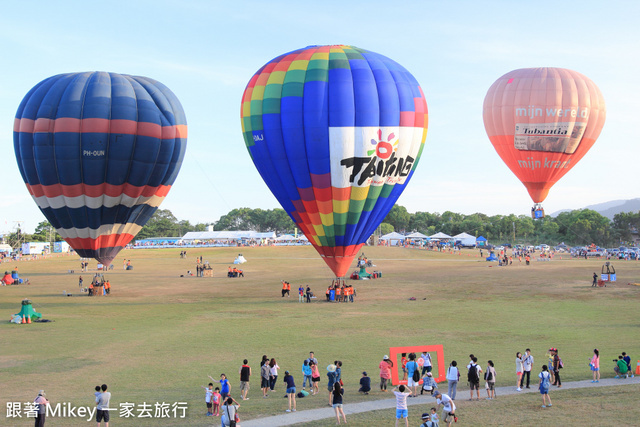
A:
(416, 370)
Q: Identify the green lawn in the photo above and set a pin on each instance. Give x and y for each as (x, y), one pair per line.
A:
(158, 336)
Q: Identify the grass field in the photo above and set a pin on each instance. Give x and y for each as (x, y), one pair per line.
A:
(158, 336)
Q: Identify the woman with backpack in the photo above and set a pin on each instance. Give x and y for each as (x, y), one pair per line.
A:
(545, 381)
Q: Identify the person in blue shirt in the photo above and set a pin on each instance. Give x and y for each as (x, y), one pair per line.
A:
(306, 371)
(224, 384)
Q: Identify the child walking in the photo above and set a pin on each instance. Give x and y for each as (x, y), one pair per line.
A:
(545, 382)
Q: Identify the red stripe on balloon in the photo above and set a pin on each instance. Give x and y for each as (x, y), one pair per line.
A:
(116, 126)
(133, 191)
(106, 241)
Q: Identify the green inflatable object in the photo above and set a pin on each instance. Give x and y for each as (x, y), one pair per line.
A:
(28, 311)
(363, 273)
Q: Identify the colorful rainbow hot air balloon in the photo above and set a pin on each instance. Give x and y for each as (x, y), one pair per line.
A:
(98, 153)
(336, 133)
(542, 121)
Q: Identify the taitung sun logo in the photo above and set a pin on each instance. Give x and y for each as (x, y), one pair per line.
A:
(383, 149)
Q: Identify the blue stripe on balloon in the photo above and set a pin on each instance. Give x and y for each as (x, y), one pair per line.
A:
(84, 217)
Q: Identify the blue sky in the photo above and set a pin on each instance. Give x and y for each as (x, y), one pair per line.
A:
(206, 52)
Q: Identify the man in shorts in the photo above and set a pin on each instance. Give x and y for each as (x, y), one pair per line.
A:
(102, 412)
(448, 409)
(245, 373)
(264, 379)
(473, 377)
(401, 404)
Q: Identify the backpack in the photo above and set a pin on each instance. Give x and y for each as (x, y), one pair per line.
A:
(560, 364)
(488, 376)
(545, 381)
(472, 375)
(416, 373)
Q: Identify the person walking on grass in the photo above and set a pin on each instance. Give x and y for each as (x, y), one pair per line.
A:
(315, 377)
(453, 376)
(401, 404)
(273, 373)
(545, 381)
(245, 373)
(338, 391)
(448, 408)
(594, 364)
(519, 371)
(291, 390)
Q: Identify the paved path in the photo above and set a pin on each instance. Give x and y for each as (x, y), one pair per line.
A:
(374, 405)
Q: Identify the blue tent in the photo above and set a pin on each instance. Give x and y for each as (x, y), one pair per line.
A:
(481, 242)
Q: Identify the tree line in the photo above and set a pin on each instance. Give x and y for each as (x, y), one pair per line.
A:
(578, 227)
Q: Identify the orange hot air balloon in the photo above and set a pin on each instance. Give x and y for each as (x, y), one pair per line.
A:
(542, 121)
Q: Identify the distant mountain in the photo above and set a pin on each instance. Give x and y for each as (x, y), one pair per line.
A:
(609, 209)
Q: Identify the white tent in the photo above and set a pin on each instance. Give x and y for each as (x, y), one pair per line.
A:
(440, 236)
(417, 235)
(466, 239)
(393, 238)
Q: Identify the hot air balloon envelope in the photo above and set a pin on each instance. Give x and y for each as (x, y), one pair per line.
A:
(99, 152)
(542, 121)
(336, 133)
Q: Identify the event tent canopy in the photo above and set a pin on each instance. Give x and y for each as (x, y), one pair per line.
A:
(289, 237)
(465, 239)
(392, 236)
(227, 235)
(440, 236)
(417, 235)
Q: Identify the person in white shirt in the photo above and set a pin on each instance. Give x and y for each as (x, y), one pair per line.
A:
(527, 363)
(426, 363)
(401, 404)
(453, 376)
(448, 408)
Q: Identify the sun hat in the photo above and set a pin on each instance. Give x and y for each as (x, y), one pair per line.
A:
(42, 393)
(385, 357)
(331, 368)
